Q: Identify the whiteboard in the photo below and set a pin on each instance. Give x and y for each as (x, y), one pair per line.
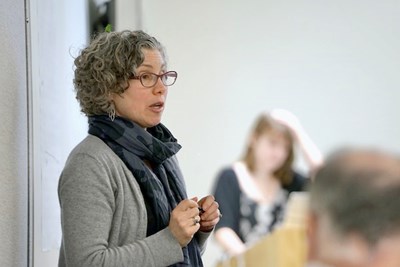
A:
(57, 31)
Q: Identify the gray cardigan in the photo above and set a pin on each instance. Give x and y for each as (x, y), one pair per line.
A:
(103, 214)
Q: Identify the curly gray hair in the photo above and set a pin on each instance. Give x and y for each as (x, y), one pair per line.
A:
(104, 67)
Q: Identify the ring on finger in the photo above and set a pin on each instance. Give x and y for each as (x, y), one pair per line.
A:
(195, 221)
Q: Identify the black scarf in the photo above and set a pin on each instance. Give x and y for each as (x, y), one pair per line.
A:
(163, 188)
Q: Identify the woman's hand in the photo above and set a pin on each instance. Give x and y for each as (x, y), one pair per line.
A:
(184, 221)
(209, 213)
(288, 119)
(311, 152)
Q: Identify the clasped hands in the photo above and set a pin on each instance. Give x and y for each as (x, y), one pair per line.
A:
(191, 215)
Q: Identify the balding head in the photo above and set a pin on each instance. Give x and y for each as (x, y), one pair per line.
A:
(360, 191)
(376, 165)
(357, 193)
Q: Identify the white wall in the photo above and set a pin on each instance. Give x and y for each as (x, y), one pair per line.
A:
(333, 63)
(58, 31)
(13, 136)
(129, 14)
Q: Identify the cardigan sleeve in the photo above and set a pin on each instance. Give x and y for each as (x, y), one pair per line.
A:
(87, 203)
(202, 238)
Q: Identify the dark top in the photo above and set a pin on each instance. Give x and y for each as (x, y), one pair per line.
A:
(247, 218)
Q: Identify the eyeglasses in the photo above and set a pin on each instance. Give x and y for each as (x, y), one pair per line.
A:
(149, 79)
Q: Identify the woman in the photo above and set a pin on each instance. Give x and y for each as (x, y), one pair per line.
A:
(252, 193)
(122, 196)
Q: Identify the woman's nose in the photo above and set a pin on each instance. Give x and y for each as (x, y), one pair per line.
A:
(160, 88)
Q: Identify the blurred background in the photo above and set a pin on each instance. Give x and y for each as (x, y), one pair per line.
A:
(334, 64)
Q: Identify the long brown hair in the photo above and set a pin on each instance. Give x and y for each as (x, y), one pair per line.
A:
(265, 124)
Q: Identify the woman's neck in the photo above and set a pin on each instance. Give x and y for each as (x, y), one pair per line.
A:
(263, 175)
(267, 183)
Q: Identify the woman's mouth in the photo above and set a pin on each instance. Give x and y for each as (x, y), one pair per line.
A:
(157, 107)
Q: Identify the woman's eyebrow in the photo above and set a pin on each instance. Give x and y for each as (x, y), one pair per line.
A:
(163, 66)
(146, 65)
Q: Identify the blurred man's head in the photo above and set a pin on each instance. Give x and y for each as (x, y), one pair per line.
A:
(355, 210)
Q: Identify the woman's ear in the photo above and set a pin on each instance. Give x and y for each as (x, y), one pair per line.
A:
(111, 97)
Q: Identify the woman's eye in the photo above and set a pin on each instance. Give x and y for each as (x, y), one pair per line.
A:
(146, 77)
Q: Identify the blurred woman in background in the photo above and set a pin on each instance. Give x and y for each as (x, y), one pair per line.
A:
(253, 191)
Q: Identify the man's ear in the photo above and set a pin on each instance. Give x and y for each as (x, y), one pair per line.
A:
(312, 235)
(359, 249)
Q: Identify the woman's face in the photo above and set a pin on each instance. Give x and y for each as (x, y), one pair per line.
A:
(270, 151)
(141, 104)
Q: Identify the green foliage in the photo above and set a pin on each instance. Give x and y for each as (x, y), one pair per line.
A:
(108, 28)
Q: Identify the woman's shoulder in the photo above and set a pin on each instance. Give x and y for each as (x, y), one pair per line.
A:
(92, 160)
(92, 150)
(92, 146)
(299, 183)
(226, 186)
(227, 174)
